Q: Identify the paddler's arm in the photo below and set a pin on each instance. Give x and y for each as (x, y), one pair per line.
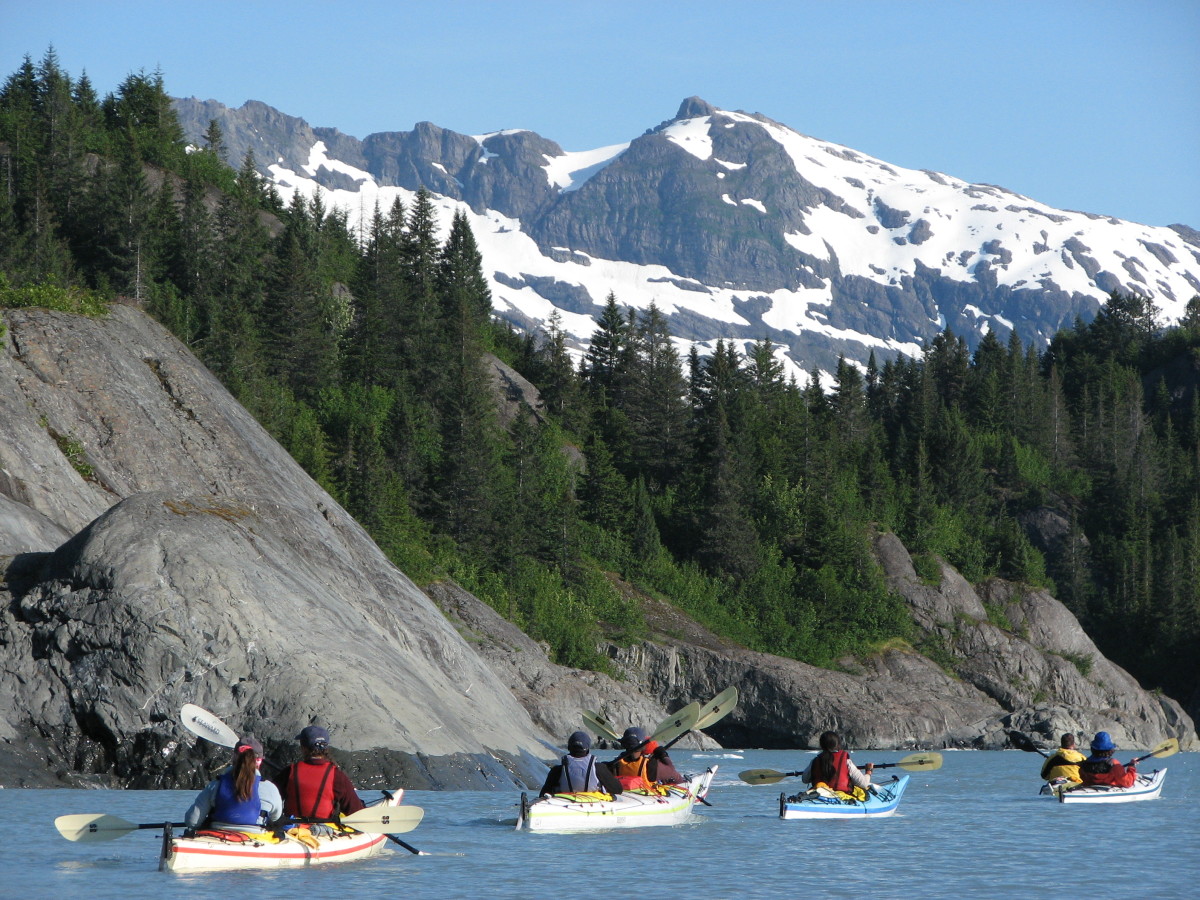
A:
(553, 778)
(608, 780)
(199, 811)
(345, 797)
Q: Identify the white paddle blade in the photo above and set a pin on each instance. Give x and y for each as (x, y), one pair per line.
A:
(200, 722)
(385, 819)
(717, 708)
(90, 827)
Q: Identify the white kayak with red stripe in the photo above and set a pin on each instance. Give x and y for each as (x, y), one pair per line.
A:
(207, 853)
(631, 809)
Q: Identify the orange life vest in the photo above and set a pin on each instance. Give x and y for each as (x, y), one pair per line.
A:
(631, 772)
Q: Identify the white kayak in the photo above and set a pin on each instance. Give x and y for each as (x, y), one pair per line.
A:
(212, 853)
(1145, 787)
(632, 809)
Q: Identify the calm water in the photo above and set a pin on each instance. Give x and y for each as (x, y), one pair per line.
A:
(974, 828)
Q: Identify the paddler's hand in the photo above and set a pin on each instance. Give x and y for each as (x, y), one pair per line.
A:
(869, 769)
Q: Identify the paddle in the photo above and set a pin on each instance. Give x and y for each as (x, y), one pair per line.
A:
(600, 725)
(675, 725)
(711, 712)
(199, 721)
(92, 827)
(409, 847)
(914, 762)
(1022, 741)
(1169, 747)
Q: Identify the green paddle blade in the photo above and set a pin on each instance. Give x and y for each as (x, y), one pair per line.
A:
(764, 776)
(717, 708)
(676, 724)
(600, 725)
(202, 723)
(385, 819)
(87, 828)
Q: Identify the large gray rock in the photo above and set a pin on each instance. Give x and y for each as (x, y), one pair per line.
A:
(214, 571)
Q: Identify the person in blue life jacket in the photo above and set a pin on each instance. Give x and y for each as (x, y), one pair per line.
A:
(238, 799)
(580, 771)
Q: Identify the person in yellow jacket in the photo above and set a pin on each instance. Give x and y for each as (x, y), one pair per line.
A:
(1064, 764)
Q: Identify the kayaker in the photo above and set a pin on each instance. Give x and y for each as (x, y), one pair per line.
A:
(1064, 764)
(238, 799)
(665, 771)
(314, 787)
(634, 768)
(1101, 768)
(833, 769)
(579, 770)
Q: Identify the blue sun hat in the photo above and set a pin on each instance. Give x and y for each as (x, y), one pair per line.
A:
(1103, 741)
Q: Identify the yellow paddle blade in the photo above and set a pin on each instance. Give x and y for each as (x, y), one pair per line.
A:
(921, 762)
(600, 725)
(1169, 747)
(676, 724)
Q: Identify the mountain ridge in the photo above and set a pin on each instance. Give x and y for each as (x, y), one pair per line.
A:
(737, 228)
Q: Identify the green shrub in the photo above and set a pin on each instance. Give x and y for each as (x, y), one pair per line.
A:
(51, 295)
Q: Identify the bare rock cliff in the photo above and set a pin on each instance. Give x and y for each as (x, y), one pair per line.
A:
(160, 548)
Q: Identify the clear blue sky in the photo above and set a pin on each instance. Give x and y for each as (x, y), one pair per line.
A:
(1083, 104)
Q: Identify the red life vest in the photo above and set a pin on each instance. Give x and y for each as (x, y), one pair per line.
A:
(631, 772)
(833, 770)
(310, 789)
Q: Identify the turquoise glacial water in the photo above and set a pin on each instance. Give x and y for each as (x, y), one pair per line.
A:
(974, 828)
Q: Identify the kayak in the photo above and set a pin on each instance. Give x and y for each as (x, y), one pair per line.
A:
(207, 853)
(632, 809)
(1145, 787)
(813, 805)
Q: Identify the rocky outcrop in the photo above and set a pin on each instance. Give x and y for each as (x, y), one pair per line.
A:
(206, 567)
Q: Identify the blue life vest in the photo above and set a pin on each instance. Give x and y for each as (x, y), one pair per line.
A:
(229, 810)
(578, 774)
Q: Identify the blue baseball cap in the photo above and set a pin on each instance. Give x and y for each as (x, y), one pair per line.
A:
(313, 736)
(633, 737)
(580, 742)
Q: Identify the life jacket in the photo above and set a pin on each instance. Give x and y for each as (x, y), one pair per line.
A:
(310, 789)
(631, 772)
(1101, 770)
(578, 774)
(229, 810)
(832, 770)
(1063, 764)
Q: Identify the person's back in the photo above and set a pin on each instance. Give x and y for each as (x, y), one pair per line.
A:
(314, 787)
(1063, 765)
(633, 768)
(579, 771)
(238, 799)
(1101, 768)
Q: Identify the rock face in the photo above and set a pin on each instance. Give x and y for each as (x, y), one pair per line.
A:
(206, 567)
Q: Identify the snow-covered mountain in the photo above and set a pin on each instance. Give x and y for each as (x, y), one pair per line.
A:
(737, 227)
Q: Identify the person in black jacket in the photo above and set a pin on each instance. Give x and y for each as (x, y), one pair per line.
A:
(580, 771)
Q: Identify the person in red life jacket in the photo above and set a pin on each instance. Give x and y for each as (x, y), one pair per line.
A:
(238, 799)
(314, 787)
(1101, 768)
(579, 770)
(832, 767)
(634, 768)
(664, 769)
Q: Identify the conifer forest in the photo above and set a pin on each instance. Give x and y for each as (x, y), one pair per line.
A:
(716, 483)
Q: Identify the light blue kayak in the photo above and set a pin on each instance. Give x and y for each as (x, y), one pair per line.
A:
(814, 805)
